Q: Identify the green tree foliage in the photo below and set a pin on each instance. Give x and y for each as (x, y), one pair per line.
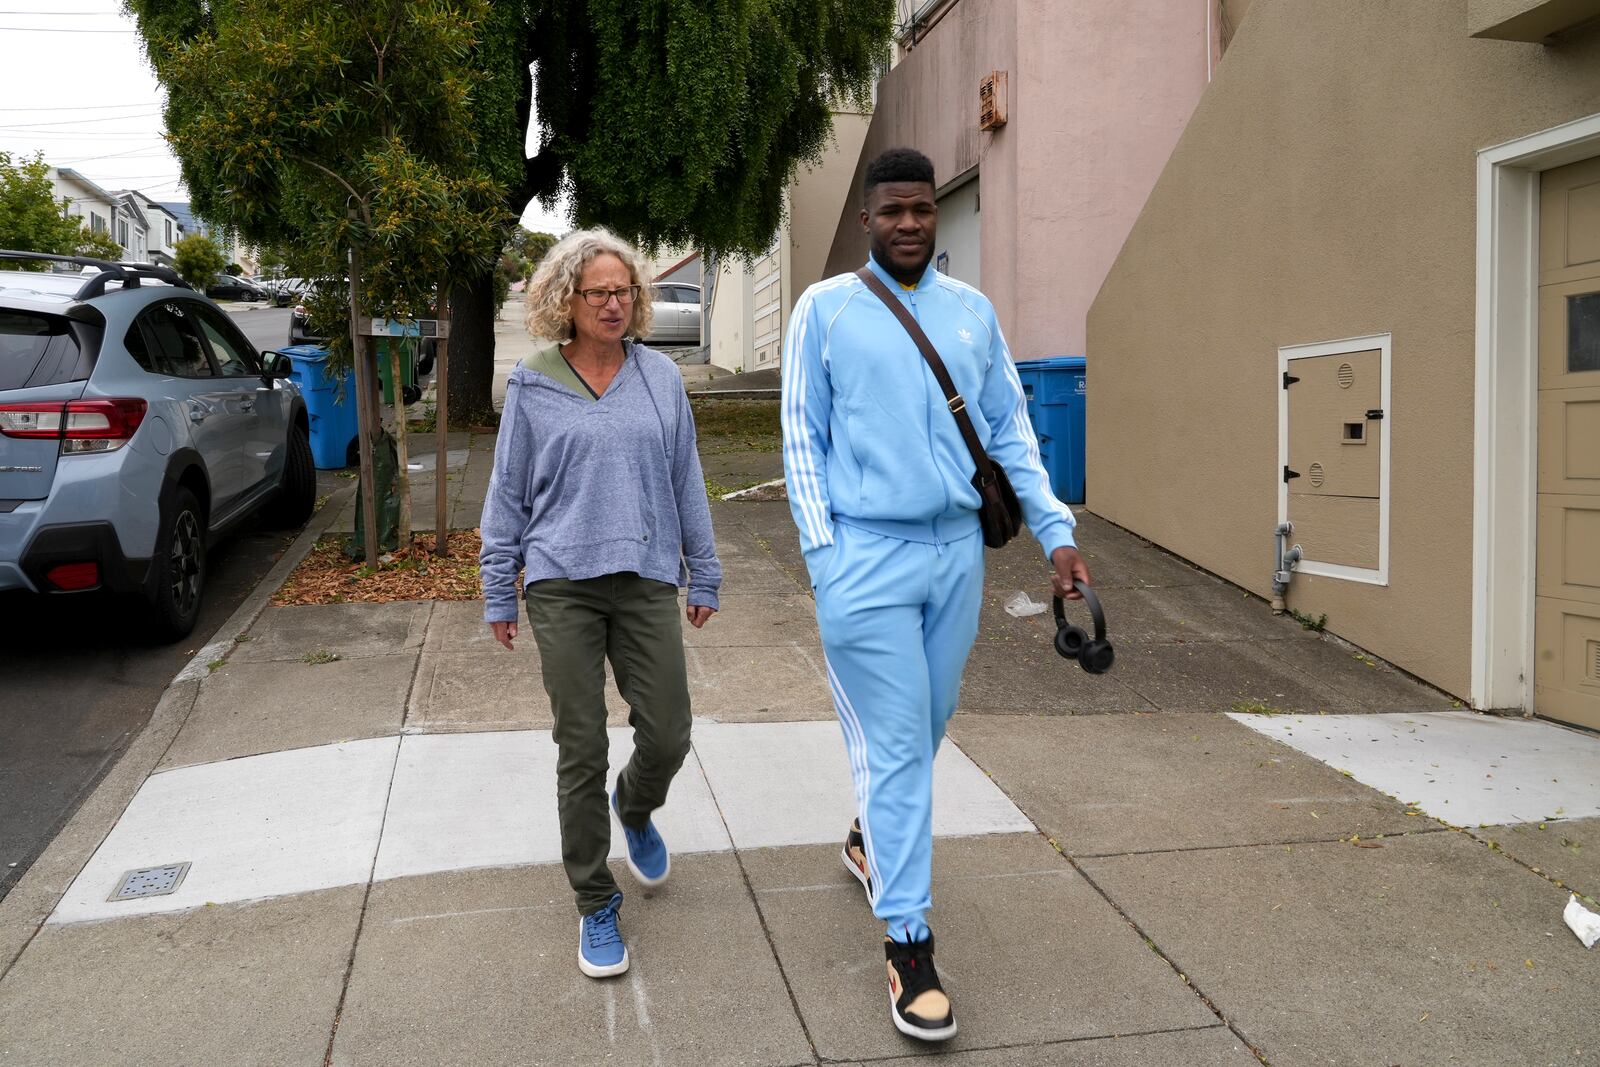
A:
(31, 218)
(322, 127)
(682, 122)
(531, 247)
(197, 259)
(98, 245)
(671, 121)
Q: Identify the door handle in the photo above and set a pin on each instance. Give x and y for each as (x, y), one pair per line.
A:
(197, 413)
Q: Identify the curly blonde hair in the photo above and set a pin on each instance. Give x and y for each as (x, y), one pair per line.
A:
(556, 281)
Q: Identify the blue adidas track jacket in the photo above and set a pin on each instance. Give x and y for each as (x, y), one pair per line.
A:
(866, 430)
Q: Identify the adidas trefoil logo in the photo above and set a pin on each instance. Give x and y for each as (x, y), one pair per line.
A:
(964, 334)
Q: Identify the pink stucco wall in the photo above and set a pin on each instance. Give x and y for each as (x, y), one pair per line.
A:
(930, 102)
(1099, 93)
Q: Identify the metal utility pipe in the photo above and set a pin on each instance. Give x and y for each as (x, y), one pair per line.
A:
(1283, 566)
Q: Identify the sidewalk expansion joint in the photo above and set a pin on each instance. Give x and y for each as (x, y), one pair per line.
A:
(898, 1057)
(761, 917)
(1494, 846)
(366, 898)
(1149, 941)
(1421, 831)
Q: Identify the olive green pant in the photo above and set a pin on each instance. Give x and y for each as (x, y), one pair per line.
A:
(578, 625)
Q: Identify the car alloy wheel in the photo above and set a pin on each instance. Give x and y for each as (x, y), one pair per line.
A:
(185, 560)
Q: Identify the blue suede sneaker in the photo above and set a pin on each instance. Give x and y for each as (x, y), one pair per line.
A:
(601, 952)
(647, 853)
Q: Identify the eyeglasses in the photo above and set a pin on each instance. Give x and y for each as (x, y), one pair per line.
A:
(598, 298)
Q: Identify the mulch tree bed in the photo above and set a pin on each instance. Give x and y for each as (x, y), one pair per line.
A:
(326, 576)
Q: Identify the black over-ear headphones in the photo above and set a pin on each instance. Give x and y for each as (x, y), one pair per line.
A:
(1094, 655)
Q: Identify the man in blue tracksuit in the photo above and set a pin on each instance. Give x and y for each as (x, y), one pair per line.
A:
(879, 481)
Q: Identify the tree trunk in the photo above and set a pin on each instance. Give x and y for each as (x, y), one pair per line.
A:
(471, 367)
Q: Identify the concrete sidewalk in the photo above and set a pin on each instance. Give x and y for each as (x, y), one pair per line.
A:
(1240, 846)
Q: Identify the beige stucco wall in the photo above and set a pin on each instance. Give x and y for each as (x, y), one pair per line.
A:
(1527, 20)
(1324, 189)
(819, 194)
(1098, 95)
(731, 337)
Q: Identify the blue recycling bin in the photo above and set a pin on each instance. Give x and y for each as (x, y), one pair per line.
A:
(1055, 389)
(330, 407)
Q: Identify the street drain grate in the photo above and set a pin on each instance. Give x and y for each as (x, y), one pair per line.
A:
(150, 882)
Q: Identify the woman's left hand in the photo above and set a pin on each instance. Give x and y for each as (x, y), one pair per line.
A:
(697, 616)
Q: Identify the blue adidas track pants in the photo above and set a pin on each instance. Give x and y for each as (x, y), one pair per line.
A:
(898, 615)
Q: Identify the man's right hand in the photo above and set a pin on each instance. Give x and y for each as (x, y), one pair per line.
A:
(505, 633)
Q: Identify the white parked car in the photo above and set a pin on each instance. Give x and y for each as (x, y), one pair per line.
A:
(677, 315)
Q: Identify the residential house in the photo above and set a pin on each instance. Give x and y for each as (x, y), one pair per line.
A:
(191, 223)
(165, 229)
(676, 265)
(132, 228)
(1363, 299)
(85, 200)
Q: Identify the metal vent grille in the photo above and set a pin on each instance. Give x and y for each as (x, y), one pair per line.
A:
(1347, 376)
(150, 882)
(1315, 474)
(1594, 661)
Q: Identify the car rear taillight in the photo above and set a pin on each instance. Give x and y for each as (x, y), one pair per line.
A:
(299, 311)
(71, 577)
(80, 425)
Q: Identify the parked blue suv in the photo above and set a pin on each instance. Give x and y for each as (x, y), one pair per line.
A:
(137, 425)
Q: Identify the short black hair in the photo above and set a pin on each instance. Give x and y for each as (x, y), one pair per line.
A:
(898, 165)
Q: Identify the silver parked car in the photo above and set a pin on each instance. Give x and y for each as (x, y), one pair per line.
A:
(677, 315)
(137, 425)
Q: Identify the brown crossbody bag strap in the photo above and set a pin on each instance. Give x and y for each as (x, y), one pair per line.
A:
(999, 511)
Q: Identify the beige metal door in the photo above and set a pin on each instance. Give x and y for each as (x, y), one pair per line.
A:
(1335, 456)
(1567, 595)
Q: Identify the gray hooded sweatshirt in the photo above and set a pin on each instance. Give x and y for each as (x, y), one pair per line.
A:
(584, 487)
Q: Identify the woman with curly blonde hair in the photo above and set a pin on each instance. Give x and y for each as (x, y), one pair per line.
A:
(598, 501)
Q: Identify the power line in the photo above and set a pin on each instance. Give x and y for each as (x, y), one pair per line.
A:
(81, 122)
(64, 14)
(139, 177)
(133, 153)
(82, 107)
(18, 133)
(55, 29)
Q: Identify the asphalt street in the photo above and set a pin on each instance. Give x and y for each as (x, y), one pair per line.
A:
(80, 680)
(267, 328)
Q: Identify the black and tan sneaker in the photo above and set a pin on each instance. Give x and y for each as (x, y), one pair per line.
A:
(855, 857)
(917, 1002)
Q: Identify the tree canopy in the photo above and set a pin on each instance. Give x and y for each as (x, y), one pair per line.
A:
(682, 122)
(673, 122)
(323, 127)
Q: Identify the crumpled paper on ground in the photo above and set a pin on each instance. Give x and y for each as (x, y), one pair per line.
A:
(1582, 921)
(1021, 605)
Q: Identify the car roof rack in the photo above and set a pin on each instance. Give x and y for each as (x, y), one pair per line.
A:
(126, 273)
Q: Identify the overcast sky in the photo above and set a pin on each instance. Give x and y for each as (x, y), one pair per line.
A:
(75, 86)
